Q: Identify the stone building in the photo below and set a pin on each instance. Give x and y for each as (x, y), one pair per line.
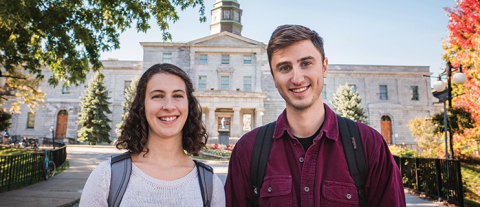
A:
(233, 83)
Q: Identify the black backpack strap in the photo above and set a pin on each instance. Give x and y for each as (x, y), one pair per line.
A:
(353, 148)
(205, 180)
(260, 154)
(120, 175)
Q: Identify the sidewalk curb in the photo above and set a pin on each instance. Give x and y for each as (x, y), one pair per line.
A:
(70, 203)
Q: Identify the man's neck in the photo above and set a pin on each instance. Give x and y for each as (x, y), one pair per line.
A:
(306, 122)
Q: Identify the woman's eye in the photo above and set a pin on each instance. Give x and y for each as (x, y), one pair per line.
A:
(178, 96)
(157, 96)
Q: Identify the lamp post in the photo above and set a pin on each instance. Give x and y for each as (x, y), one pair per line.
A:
(444, 95)
(53, 137)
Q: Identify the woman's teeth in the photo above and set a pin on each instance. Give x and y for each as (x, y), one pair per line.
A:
(168, 118)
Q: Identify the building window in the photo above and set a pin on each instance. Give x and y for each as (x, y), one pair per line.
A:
(65, 89)
(31, 120)
(383, 92)
(126, 87)
(353, 87)
(237, 16)
(247, 122)
(167, 57)
(414, 93)
(202, 83)
(203, 59)
(247, 83)
(324, 91)
(226, 14)
(225, 83)
(247, 59)
(225, 59)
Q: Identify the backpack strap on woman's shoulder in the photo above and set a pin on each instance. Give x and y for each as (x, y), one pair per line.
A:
(205, 179)
(120, 175)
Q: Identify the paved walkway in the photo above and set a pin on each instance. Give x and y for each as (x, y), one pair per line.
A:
(66, 188)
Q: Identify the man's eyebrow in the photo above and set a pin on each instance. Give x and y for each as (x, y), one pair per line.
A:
(305, 58)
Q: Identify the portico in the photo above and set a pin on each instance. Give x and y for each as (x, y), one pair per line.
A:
(242, 111)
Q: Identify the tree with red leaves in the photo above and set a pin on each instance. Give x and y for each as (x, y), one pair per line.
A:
(463, 48)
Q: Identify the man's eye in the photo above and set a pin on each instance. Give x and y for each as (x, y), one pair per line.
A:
(306, 63)
(286, 67)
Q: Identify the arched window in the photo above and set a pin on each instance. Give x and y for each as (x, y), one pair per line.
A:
(386, 125)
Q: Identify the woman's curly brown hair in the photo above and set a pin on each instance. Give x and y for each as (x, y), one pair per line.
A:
(135, 128)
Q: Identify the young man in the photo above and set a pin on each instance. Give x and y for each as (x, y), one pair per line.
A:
(307, 165)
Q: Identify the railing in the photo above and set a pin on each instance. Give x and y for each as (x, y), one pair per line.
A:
(29, 166)
(434, 177)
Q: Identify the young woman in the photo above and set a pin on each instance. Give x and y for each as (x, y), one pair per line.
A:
(164, 123)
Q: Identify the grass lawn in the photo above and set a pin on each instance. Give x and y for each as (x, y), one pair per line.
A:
(471, 179)
(12, 151)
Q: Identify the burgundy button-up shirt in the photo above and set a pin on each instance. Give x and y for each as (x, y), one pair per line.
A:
(318, 177)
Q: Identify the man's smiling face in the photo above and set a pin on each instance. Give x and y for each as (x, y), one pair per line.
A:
(298, 72)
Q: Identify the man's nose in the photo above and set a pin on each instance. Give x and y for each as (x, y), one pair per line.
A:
(297, 76)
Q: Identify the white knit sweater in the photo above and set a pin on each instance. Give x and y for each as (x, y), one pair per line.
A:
(144, 190)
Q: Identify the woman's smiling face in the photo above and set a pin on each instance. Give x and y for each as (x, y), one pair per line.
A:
(166, 105)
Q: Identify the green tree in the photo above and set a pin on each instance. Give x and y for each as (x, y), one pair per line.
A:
(349, 104)
(129, 96)
(4, 119)
(94, 104)
(458, 119)
(66, 36)
(429, 142)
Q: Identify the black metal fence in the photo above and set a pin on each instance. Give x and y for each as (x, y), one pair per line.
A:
(435, 177)
(24, 167)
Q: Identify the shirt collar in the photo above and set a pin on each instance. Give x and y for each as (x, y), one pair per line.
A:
(330, 125)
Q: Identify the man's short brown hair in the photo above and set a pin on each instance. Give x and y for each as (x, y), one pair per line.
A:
(286, 35)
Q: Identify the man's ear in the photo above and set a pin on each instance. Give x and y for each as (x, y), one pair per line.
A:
(325, 67)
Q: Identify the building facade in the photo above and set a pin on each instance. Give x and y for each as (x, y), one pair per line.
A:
(232, 79)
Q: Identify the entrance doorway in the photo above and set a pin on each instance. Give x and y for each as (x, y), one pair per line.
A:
(62, 121)
(226, 123)
(386, 125)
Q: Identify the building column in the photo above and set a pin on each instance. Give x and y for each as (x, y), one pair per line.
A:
(193, 73)
(258, 75)
(236, 122)
(211, 122)
(258, 117)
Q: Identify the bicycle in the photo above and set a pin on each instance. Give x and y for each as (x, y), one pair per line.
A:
(49, 170)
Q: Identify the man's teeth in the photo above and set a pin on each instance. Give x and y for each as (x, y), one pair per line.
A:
(299, 90)
(168, 118)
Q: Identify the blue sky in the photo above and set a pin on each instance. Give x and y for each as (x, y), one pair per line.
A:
(367, 32)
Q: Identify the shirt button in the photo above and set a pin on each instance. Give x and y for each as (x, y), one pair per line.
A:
(307, 189)
(301, 159)
(349, 196)
(269, 189)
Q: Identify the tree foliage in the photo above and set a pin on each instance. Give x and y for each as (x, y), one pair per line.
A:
(458, 120)
(4, 119)
(463, 48)
(68, 35)
(129, 96)
(94, 104)
(349, 104)
(428, 142)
